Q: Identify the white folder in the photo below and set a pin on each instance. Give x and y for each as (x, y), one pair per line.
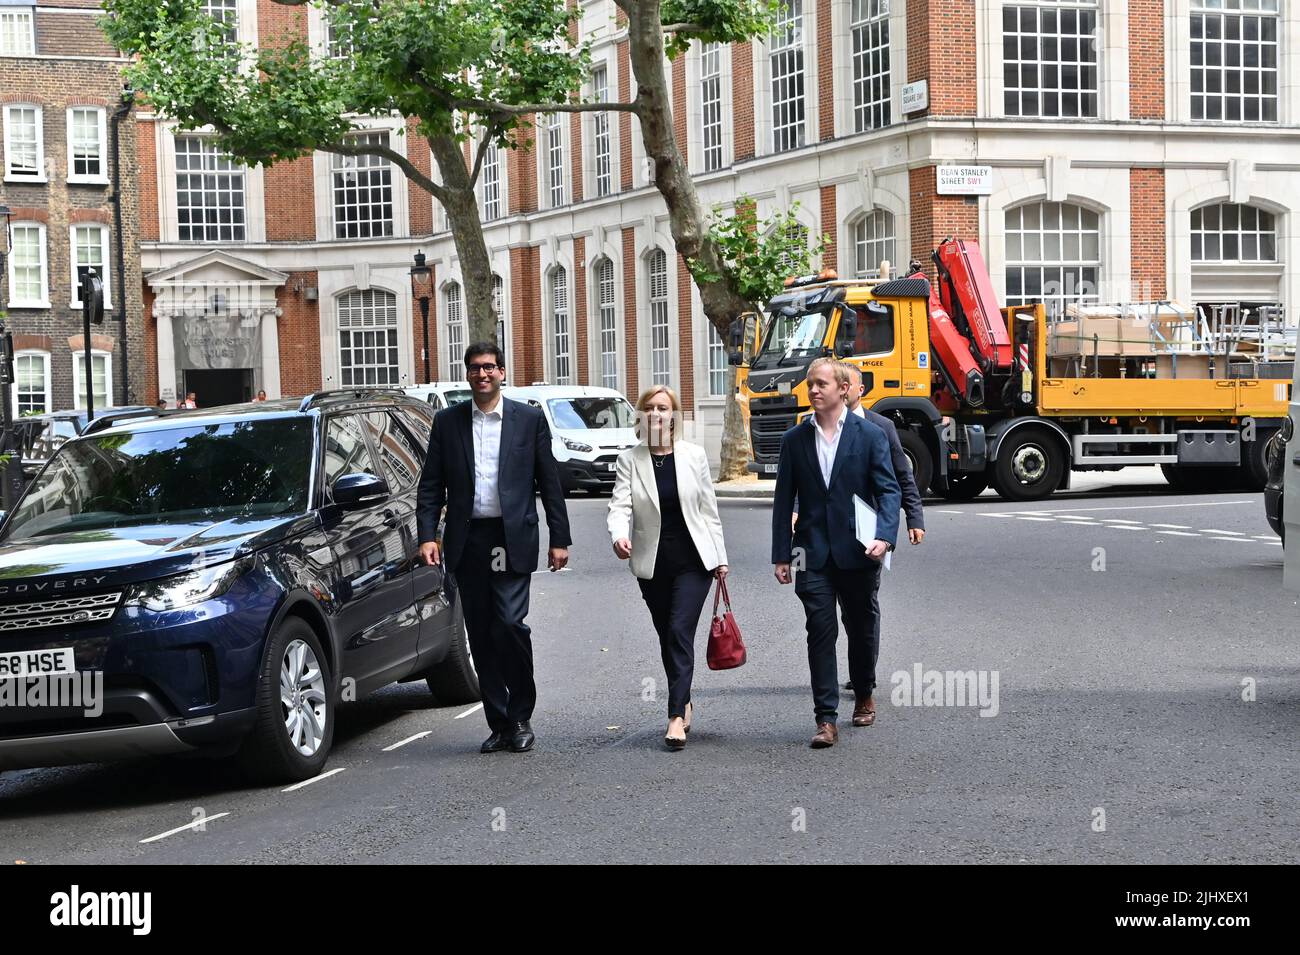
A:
(866, 525)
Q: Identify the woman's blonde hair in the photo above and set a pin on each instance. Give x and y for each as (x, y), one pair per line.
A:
(673, 400)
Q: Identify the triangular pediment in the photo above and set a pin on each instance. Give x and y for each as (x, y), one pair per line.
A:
(216, 268)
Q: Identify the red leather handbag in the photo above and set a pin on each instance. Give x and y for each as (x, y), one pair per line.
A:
(726, 648)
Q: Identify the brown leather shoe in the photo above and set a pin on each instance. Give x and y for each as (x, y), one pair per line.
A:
(827, 735)
(864, 711)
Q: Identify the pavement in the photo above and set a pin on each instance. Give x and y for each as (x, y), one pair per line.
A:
(1146, 711)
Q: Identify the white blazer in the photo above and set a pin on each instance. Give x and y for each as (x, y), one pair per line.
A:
(634, 506)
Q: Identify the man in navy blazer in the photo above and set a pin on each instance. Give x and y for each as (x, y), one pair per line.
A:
(825, 462)
(486, 458)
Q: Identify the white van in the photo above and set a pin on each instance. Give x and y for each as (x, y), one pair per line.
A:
(441, 394)
(590, 428)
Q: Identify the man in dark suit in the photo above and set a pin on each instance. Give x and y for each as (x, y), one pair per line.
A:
(825, 462)
(486, 457)
(911, 507)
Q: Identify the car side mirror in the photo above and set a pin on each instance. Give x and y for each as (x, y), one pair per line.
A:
(353, 491)
(848, 335)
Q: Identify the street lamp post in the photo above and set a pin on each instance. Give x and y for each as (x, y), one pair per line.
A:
(11, 475)
(422, 287)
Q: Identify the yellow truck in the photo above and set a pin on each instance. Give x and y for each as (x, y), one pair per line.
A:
(985, 396)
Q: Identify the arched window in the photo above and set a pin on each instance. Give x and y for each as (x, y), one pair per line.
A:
(1231, 232)
(561, 339)
(368, 338)
(453, 308)
(873, 242)
(1053, 253)
(607, 317)
(660, 355)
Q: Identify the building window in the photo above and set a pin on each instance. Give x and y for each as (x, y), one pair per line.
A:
(339, 43)
(27, 267)
(89, 251)
(711, 105)
(799, 235)
(491, 173)
(1053, 252)
(32, 383)
(1049, 59)
(719, 369)
(86, 139)
(871, 77)
(101, 378)
(873, 242)
(660, 355)
(561, 337)
(24, 144)
(600, 139)
(607, 314)
(363, 191)
(368, 338)
(209, 193)
(499, 306)
(554, 129)
(16, 35)
(785, 62)
(1234, 60)
(1230, 232)
(455, 312)
(226, 13)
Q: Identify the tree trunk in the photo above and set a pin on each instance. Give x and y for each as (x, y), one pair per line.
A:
(467, 232)
(686, 217)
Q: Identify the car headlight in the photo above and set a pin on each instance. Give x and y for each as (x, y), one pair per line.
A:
(577, 446)
(185, 590)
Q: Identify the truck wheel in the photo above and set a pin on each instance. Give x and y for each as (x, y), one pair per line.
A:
(1029, 465)
(918, 456)
(455, 681)
(295, 708)
(965, 487)
(1254, 461)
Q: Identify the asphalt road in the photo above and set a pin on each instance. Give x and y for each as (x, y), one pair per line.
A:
(1124, 627)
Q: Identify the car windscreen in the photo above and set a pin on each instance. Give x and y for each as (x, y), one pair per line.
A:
(456, 397)
(792, 334)
(586, 414)
(193, 474)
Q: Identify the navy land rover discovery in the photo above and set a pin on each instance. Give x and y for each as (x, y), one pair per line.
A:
(234, 573)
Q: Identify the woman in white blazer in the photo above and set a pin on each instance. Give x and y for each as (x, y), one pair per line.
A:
(663, 516)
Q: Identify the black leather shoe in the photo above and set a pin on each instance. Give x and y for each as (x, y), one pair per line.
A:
(495, 743)
(522, 738)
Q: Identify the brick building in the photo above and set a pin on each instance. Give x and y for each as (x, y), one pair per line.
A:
(61, 110)
(1129, 149)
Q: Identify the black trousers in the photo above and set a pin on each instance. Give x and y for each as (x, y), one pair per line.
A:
(495, 603)
(676, 598)
(855, 591)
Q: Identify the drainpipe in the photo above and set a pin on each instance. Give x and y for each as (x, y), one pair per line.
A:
(128, 99)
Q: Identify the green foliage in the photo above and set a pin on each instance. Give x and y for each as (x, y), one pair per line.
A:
(759, 256)
(421, 58)
(724, 21)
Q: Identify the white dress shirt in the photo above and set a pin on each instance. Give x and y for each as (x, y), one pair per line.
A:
(487, 458)
(826, 449)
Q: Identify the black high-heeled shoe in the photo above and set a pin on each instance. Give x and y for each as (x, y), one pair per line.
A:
(686, 720)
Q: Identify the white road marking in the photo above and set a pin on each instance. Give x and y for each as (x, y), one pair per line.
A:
(473, 709)
(1178, 533)
(1215, 530)
(996, 514)
(1128, 507)
(937, 511)
(1072, 517)
(1082, 523)
(562, 570)
(1128, 527)
(1273, 543)
(202, 820)
(1117, 520)
(1177, 527)
(1237, 540)
(315, 779)
(409, 739)
(1048, 519)
(1266, 537)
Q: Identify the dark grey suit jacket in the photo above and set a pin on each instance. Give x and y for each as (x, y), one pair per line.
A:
(526, 465)
(906, 479)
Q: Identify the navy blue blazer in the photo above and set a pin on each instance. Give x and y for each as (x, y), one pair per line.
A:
(526, 466)
(826, 515)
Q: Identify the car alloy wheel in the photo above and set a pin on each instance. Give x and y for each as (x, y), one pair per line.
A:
(302, 698)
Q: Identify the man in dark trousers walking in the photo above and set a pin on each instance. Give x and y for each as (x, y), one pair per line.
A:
(486, 458)
(911, 507)
(825, 463)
